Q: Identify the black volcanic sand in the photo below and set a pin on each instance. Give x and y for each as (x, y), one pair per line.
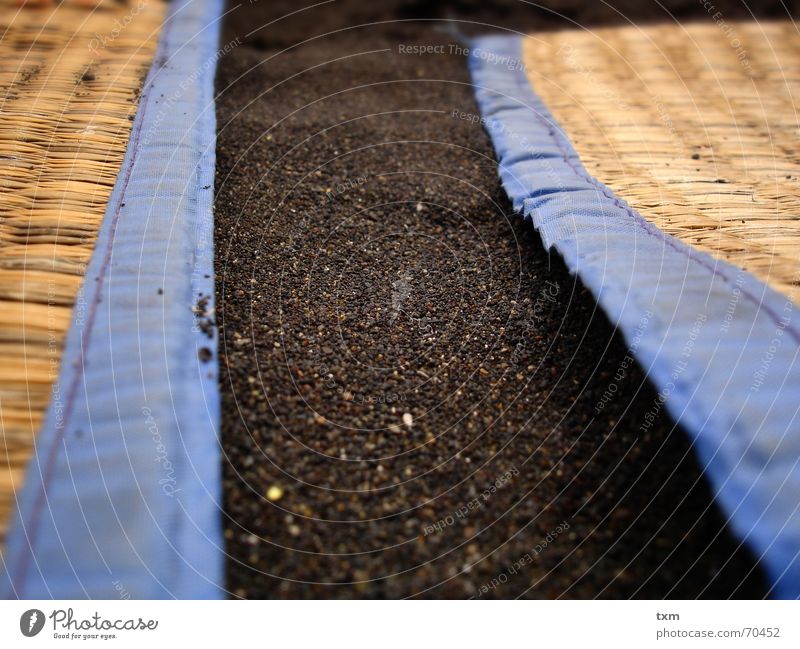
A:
(409, 381)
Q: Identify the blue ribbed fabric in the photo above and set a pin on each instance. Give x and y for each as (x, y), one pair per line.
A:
(122, 497)
(720, 346)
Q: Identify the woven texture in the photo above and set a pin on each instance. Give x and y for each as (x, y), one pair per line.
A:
(69, 84)
(124, 488)
(694, 125)
(721, 347)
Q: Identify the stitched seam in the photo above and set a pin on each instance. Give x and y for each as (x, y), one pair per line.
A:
(561, 141)
(37, 508)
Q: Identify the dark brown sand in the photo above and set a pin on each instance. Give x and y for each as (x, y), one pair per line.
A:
(410, 383)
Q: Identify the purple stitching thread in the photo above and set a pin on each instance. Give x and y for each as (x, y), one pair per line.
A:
(38, 505)
(559, 138)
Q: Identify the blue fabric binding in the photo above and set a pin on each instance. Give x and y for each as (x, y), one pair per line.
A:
(720, 346)
(122, 497)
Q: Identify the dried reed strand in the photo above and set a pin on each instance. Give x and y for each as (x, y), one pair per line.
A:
(69, 84)
(694, 125)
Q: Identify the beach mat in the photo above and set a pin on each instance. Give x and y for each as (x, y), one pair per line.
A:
(660, 163)
(121, 492)
(69, 88)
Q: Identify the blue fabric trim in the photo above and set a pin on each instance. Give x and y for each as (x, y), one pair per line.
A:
(122, 497)
(719, 345)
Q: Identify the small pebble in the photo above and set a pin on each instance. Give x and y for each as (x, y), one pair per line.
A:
(274, 493)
